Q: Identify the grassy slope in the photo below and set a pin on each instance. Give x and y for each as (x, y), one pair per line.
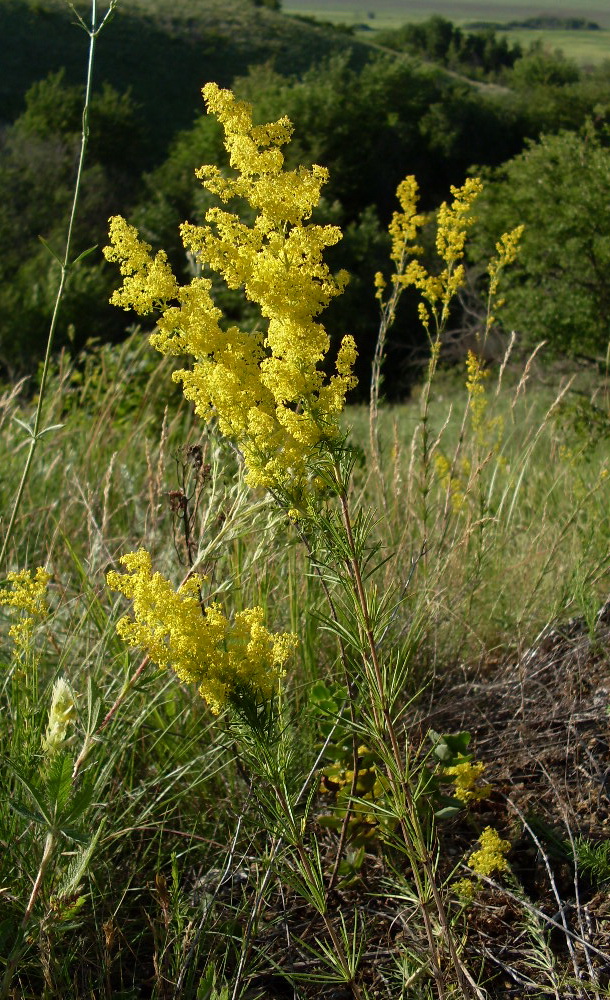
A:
(457, 10)
(102, 483)
(586, 47)
(164, 50)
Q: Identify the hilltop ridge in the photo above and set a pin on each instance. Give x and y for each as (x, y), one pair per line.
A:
(162, 50)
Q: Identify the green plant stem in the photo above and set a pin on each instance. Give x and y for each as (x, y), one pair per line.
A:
(388, 315)
(127, 687)
(385, 723)
(18, 949)
(310, 875)
(66, 265)
(350, 686)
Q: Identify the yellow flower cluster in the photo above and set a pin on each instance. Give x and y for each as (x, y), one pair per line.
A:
(405, 224)
(506, 249)
(266, 390)
(200, 644)
(465, 889)
(488, 430)
(490, 858)
(466, 777)
(28, 594)
(452, 227)
(476, 374)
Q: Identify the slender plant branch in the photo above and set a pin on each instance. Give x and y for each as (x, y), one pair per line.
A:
(36, 433)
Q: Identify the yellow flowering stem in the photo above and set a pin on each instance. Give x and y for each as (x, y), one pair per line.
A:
(403, 230)
(507, 249)
(267, 390)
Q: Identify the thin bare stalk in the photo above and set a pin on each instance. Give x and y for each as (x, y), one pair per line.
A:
(388, 315)
(36, 432)
(350, 686)
(311, 877)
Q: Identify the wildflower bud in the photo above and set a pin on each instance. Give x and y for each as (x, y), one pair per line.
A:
(61, 715)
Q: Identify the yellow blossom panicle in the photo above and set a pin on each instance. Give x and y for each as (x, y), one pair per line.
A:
(406, 224)
(466, 775)
(28, 595)
(266, 390)
(201, 645)
(380, 285)
(454, 480)
(453, 223)
(490, 858)
(506, 249)
(475, 386)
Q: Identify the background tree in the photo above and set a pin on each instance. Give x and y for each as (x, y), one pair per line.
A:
(558, 290)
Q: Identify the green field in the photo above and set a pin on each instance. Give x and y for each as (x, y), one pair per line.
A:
(584, 46)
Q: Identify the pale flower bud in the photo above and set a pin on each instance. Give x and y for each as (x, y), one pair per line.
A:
(61, 715)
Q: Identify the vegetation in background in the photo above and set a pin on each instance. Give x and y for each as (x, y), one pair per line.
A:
(478, 54)
(557, 188)
(401, 114)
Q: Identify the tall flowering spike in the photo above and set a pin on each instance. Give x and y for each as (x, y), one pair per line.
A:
(267, 391)
(406, 224)
(202, 646)
(28, 594)
(454, 221)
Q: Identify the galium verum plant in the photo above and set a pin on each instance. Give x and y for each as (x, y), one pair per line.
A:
(267, 391)
(268, 394)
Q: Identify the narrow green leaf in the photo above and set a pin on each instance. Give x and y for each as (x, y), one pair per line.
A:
(36, 793)
(84, 254)
(51, 251)
(78, 866)
(32, 817)
(26, 427)
(52, 427)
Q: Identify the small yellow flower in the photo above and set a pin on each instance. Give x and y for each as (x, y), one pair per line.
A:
(490, 858)
(28, 594)
(466, 777)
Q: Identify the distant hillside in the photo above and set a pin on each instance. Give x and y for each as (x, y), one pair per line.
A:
(164, 50)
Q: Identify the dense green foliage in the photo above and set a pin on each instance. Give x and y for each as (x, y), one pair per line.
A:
(37, 167)
(558, 290)
(478, 53)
